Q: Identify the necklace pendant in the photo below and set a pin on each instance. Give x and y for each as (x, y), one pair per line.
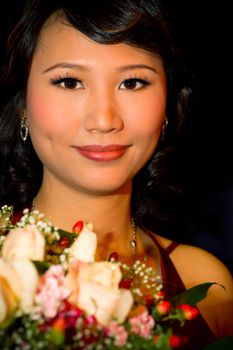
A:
(133, 244)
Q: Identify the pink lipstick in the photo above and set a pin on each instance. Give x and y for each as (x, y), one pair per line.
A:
(102, 153)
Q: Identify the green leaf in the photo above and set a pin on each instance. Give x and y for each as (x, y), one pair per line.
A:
(163, 342)
(9, 321)
(41, 266)
(193, 295)
(70, 235)
(225, 343)
(56, 337)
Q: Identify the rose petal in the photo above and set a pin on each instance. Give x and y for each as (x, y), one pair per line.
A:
(24, 243)
(10, 289)
(105, 303)
(106, 274)
(84, 246)
(30, 279)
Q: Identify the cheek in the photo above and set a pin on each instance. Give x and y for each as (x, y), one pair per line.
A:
(47, 116)
(148, 117)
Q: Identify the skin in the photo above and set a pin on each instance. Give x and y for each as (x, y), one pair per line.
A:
(101, 110)
(80, 93)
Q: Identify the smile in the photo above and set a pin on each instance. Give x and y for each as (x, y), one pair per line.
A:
(102, 153)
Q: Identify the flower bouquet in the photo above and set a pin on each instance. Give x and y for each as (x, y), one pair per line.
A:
(54, 295)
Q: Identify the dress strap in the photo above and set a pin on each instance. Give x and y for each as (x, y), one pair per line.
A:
(172, 246)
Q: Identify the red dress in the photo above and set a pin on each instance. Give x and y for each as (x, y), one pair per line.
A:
(198, 332)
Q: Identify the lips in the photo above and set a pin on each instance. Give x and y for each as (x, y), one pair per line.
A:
(102, 152)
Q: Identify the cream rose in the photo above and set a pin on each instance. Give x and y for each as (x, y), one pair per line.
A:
(24, 243)
(10, 287)
(29, 278)
(84, 246)
(18, 282)
(95, 290)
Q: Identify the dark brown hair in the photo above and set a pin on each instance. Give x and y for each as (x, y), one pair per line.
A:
(140, 23)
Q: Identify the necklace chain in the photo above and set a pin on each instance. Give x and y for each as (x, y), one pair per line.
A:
(133, 241)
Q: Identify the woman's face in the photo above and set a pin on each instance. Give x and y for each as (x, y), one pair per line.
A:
(94, 111)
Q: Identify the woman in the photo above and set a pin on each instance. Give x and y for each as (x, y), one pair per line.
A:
(94, 97)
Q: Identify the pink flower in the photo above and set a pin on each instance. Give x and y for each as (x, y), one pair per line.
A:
(142, 324)
(118, 332)
(51, 292)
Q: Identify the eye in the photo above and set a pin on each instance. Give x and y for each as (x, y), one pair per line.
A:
(68, 83)
(133, 84)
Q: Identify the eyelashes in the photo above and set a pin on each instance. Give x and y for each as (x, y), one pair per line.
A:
(67, 82)
(134, 84)
(72, 83)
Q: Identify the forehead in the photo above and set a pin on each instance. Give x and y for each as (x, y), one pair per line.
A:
(59, 40)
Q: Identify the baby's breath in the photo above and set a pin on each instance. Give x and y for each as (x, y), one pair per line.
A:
(144, 279)
(6, 213)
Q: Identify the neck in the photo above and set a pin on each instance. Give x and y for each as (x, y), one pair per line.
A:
(110, 214)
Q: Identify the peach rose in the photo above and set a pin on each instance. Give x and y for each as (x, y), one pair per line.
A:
(84, 246)
(29, 278)
(18, 283)
(9, 290)
(24, 243)
(95, 289)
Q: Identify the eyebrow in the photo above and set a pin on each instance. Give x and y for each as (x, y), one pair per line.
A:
(66, 65)
(136, 66)
(83, 68)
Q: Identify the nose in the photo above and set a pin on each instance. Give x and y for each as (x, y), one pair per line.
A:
(102, 114)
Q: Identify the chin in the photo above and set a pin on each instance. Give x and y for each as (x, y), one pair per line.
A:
(105, 189)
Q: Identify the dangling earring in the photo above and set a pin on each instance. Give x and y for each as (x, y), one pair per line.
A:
(163, 130)
(23, 128)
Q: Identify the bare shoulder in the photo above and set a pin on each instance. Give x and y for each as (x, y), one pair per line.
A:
(195, 266)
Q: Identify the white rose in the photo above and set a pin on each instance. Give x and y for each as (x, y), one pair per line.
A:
(24, 243)
(95, 289)
(8, 300)
(29, 277)
(105, 304)
(105, 273)
(18, 283)
(84, 246)
(10, 289)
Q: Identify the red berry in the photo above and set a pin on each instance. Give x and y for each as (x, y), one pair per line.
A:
(59, 324)
(155, 339)
(66, 306)
(190, 312)
(78, 226)
(149, 300)
(163, 307)
(113, 256)
(175, 341)
(125, 284)
(159, 295)
(64, 242)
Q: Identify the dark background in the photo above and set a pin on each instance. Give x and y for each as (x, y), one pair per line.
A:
(202, 33)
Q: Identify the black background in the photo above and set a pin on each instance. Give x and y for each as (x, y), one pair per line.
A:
(201, 30)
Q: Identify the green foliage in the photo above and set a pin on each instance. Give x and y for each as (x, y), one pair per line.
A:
(225, 343)
(193, 295)
(41, 266)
